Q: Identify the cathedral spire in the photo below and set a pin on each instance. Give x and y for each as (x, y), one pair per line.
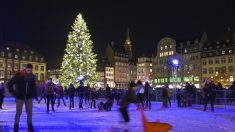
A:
(128, 44)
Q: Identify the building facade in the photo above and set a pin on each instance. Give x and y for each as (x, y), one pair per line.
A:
(119, 58)
(15, 56)
(145, 68)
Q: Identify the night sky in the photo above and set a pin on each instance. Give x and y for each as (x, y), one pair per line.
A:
(44, 24)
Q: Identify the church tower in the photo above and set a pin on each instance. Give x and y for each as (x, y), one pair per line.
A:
(128, 45)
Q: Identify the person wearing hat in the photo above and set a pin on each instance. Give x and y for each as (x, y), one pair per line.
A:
(23, 87)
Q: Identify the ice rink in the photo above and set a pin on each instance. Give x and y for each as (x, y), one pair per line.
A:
(192, 119)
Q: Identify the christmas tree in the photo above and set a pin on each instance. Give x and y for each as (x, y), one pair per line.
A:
(79, 61)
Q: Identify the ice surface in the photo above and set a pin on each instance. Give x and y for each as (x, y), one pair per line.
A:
(192, 119)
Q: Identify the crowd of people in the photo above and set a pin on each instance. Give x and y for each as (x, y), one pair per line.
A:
(23, 87)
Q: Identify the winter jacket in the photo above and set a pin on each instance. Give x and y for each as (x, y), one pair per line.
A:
(71, 91)
(24, 86)
(2, 92)
(49, 88)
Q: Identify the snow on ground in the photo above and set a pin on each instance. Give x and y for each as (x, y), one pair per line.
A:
(192, 119)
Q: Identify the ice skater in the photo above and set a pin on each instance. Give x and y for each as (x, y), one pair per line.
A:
(130, 97)
(71, 93)
(2, 94)
(60, 94)
(23, 87)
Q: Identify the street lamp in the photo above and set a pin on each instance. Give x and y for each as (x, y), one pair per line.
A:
(175, 65)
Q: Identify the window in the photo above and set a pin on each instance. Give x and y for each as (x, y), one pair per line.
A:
(42, 68)
(216, 60)
(230, 59)
(30, 58)
(230, 69)
(2, 64)
(150, 64)
(9, 55)
(16, 56)
(42, 59)
(36, 58)
(9, 74)
(36, 67)
(223, 52)
(7, 48)
(185, 50)
(41, 76)
(25, 51)
(223, 69)
(36, 76)
(204, 62)
(16, 66)
(223, 60)
(17, 50)
(31, 52)
(190, 67)
(165, 46)
(151, 70)
(161, 48)
(23, 57)
(171, 46)
(185, 67)
(2, 74)
(2, 53)
(230, 51)
(9, 64)
(143, 64)
(210, 62)
(211, 70)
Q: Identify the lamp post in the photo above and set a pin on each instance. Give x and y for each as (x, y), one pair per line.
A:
(174, 64)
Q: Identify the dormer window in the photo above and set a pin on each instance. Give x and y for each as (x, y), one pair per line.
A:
(7, 48)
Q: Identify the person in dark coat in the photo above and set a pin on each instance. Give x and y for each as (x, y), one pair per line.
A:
(93, 97)
(164, 96)
(2, 94)
(209, 94)
(23, 87)
(107, 91)
(50, 92)
(232, 90)
(71, 93)
(129, 97)
(148, 94)
(81, 94)
(60, 94)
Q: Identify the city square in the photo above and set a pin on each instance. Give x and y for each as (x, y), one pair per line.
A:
(90, 120)
(110, 66)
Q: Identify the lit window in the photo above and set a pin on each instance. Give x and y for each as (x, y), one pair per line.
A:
(161, 48)
(17, 50)
(16, 56)
(185, 50)
(151, 70)
(23, 57)
(151, 64)
(223, 52)
(30, 58)
(7, 48)
(169, 52)
(171, 46)
(165, 46)
(230, 51)
(142, 64)
(42, 59)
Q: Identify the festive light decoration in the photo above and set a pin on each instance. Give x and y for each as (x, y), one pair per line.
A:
(79, 58)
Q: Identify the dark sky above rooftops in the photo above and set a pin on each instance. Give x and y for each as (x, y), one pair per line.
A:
(45, 24)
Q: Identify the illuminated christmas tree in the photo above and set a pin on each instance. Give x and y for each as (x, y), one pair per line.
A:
(79, 61)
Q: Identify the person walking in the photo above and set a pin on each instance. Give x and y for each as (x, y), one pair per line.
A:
(60, 94)
(22, 85)
(71, 93)
(209, 95)
(2, 94)
(50, 92)
(140, 95)
(148, 94)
